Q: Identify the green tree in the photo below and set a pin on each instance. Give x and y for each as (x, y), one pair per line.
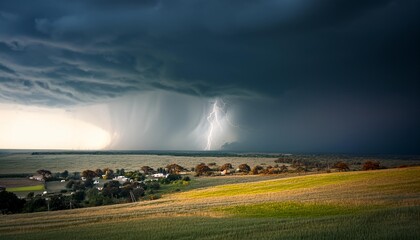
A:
(36, 204)
(57, 202)
(64, 174)
(138, 192)
(10, 203)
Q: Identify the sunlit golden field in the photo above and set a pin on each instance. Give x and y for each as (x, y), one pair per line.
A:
(368, 204)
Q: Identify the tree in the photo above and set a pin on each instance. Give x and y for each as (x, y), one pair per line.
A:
(175, 168)
(202, 169)
(99, 172)
(45, 173)
(111, 189)
(109, 173)
(79, 196)
(283, 168)
(36, 204)
(10, 203)
(57, 202)
(30, 195)
(341, 166)
(257, 169)
(244, 168)
(138, 192)
(89, 174)
(70, 184)
(147, 170)
(88, 183)
(153, 185)
(371, 165)
(173, 177)
(64, 174)
(226, 166)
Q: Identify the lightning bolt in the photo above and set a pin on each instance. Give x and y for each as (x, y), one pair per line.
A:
(213, 119)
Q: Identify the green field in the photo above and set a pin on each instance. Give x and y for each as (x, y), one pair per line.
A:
(27, 188)
(381, 204)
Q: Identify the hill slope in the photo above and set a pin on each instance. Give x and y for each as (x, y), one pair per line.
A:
(369, 205)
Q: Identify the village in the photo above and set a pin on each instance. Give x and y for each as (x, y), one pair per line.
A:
(64, 190)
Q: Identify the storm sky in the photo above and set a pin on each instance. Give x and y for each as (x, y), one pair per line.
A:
(285, 76)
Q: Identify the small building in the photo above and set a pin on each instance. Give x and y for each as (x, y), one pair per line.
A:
(160, 175)
(38, 177)
(121, 179)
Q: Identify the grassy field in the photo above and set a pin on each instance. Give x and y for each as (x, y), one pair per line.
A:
(381, 204)
(27, 188)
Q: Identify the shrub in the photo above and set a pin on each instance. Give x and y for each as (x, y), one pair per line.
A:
(202, 169)
(226, 166)
(371, 165)
(154, 196)
(341, 166)
(257, 169)
(244, 168)
(147, 170)
(284, 168)
(173, 177)
(89, 174)
(154, 185)
(175, 168)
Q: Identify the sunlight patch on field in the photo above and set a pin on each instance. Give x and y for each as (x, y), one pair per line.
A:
(27, 188)
(371, 181)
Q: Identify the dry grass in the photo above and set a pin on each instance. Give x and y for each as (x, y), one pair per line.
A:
(356, 190)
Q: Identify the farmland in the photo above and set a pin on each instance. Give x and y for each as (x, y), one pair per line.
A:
(368, 204)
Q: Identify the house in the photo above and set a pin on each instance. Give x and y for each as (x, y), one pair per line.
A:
(38, 177)
(121, 179)
(160, 175)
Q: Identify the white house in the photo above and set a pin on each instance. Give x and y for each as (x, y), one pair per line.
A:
(121, 179)
(160, 175)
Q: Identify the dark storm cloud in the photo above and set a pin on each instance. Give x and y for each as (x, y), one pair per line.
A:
(74, 52)
(206, 48)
